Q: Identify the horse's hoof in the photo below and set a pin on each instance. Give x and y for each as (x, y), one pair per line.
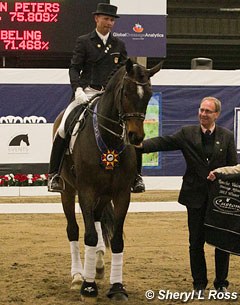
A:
(76, 282)
(100, 273)
(89, 290)
(117, 292)
(119, 297)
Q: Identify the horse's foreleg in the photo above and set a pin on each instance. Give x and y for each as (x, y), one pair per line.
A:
(101, 248)
(117, 291)
(117, 246)
(68, 202)
(100, 251)
(89, 287)
(76, 266)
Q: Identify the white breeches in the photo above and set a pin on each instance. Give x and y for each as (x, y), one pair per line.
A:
(61, 129)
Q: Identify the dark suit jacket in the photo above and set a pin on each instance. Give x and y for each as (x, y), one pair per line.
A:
(92, 62)
(194, 190)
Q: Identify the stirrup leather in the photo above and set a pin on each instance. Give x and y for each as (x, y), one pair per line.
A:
(56, 184)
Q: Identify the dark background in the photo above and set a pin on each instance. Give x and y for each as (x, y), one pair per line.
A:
(198, 28)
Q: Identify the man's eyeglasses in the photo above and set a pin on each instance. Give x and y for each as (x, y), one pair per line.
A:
(207, 111)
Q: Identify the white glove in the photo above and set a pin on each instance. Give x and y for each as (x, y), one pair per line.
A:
(80, 96)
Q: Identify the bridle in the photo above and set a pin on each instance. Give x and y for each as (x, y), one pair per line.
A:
(123, 117)
(137, 115)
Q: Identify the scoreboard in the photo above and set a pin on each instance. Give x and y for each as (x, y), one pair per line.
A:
(39, 26)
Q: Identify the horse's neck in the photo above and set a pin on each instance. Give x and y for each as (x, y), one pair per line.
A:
(107, 108)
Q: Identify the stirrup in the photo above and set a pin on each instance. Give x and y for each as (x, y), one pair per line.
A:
(56, 184)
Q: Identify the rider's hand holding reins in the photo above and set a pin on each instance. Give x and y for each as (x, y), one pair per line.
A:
(80, 96)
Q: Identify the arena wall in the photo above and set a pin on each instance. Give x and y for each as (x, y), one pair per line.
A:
(32, 98)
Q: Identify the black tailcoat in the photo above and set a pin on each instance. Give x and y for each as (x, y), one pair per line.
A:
(93, 62)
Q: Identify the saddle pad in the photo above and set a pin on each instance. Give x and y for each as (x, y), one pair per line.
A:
(222, 220)
(75, 132)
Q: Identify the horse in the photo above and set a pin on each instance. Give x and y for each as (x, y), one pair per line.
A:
(100, 170)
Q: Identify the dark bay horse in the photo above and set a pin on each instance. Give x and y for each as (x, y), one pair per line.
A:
(101, 170)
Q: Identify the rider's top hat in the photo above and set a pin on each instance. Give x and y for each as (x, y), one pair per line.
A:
(106, 9)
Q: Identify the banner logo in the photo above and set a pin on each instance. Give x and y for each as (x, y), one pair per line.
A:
(138, 28)
(227, 204)
(19, 144)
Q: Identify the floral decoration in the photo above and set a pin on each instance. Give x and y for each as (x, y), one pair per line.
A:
(23, 180)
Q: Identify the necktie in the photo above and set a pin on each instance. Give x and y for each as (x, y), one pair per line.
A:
(208, 132)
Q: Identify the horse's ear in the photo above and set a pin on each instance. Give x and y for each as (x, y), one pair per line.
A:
(129, 65)
(155, 69)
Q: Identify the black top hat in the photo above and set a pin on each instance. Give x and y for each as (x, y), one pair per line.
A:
(106, 9)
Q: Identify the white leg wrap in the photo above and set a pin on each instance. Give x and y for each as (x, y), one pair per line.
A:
(90, 264)
(116, 268)
(76, 266)
(100, 244)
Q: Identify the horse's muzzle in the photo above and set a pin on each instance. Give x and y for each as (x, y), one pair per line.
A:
(134, 138)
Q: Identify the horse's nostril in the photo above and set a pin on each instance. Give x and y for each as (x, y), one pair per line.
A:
(134, 138)
(130, 135)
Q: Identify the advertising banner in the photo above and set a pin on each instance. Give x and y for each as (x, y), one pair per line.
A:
(142, 26)
(222, 226)
(144, 36)
(25, 146)
(35, 97)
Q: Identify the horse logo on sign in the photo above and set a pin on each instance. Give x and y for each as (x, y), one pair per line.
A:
(19, 144)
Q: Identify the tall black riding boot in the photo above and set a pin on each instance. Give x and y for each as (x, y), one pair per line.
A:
(138, 185)
(55, 182)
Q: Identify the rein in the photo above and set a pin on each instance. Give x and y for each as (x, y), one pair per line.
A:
(95, 114)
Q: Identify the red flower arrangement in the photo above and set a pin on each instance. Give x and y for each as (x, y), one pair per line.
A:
(24, 180)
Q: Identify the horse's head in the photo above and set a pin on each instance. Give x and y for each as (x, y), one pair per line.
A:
(25, 139)
(136, 92)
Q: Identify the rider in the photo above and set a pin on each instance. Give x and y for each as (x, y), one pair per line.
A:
(95, 57)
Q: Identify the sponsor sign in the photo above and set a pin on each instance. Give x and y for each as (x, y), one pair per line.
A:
(144, 35)
(25, 143)
(222, 226)
(142, 27)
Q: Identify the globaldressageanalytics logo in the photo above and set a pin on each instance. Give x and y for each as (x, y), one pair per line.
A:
(138, 28)
(137, 33)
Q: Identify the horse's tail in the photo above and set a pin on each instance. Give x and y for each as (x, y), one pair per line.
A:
(107, 223)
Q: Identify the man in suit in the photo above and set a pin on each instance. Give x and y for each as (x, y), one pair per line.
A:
(95, 57)
(204, 147)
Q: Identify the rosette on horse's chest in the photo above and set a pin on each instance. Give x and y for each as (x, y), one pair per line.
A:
(110, 159)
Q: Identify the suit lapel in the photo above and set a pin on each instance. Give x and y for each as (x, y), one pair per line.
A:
(218, 144)
(198, 142)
